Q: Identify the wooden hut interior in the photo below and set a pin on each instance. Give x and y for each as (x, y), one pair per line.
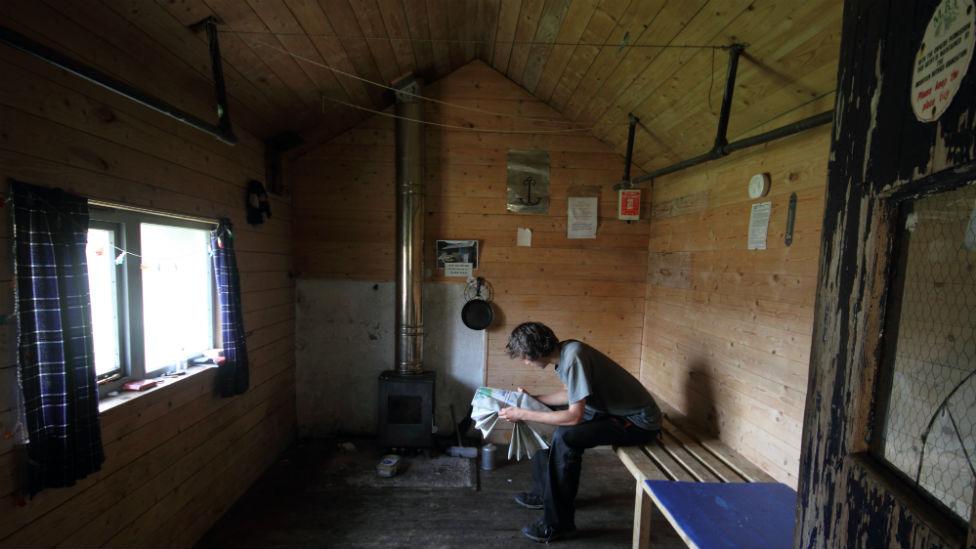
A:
(312, 228)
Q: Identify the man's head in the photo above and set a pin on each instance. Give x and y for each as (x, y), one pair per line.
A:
(533, 343)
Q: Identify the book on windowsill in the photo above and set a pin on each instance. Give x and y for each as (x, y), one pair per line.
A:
(140, 385)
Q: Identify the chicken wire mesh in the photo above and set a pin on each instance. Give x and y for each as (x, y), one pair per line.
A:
(929, 430)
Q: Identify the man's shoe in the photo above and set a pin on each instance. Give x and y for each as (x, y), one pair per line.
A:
(529, 500)
(543, 533)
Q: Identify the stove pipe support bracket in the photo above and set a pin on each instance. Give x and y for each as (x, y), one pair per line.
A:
(410, 228)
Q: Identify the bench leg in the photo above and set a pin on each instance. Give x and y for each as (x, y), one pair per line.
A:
(643, 509)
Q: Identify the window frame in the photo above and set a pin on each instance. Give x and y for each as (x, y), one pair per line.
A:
(121, 301)
(899, 207)
(131, 330)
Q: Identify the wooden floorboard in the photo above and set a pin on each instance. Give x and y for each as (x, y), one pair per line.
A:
(302, 501)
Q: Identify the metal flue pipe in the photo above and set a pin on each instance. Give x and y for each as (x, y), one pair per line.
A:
(410, 230)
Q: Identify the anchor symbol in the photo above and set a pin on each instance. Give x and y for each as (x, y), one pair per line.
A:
(527, 201)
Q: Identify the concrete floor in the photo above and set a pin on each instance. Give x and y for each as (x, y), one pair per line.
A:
(306, 500)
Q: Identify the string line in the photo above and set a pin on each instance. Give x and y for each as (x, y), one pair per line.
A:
(449, 126)
(475, 41)
(402, 92)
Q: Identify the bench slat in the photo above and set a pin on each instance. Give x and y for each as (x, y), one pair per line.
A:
(688, 461)
(717, 467)
(637, 463)
(726, 455)
(672, 468)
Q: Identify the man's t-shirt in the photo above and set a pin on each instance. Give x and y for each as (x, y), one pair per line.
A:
(606, 386)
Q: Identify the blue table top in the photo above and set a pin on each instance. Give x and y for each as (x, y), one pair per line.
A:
(748, 515)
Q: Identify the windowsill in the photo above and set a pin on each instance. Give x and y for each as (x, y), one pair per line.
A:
(109, 402)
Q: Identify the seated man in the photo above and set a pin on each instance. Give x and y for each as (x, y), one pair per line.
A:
(606, 405)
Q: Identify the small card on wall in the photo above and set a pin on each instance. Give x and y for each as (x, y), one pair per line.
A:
(582, 217)
(457, 269)
(759, 225)
(523, 237)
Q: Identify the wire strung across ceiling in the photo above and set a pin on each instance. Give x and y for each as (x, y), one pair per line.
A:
(433, 100)
(619, 45)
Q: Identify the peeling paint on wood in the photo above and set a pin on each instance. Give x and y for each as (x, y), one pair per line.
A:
(880, 154)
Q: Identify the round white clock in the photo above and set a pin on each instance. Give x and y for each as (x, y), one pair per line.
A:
(759, 185)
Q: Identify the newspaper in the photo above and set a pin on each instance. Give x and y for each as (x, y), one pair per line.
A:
(525, 440)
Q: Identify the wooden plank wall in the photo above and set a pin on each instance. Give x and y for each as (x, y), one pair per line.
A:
(177, 457)
(727, 331)
(586, 289)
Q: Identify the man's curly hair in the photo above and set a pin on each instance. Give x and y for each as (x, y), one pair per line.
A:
(531, 340)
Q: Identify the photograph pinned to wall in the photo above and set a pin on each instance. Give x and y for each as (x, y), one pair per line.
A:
(528, 181)
(457, 257)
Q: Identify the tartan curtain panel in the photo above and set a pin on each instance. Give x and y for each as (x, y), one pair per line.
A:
(56, 359)
(232, 375)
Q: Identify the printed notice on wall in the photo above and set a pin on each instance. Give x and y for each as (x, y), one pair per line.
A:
(523, 237)
(457, 269)
(582, 217)
(759, 225)
(943, 57)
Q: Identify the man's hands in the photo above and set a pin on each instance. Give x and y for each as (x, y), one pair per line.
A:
(512, 414)
(571, 416)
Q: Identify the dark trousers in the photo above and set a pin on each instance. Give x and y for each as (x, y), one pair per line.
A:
(556, 471)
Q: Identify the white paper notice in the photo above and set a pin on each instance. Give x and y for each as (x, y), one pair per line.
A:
(524, 237)
(457, 269)
(582, 217)
(759, 225)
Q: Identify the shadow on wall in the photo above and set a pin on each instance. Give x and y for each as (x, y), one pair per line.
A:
(701, 406)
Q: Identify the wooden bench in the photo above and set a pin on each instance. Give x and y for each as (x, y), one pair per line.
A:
(680, 456)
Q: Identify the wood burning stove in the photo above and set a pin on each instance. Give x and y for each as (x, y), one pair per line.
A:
(406, 406)
(406, 394)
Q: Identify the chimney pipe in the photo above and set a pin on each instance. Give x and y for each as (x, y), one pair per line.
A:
(410, 229)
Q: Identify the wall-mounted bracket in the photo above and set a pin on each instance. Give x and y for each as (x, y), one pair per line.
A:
(22, 43)
(626, 183)
(209, 24)
(722, 147)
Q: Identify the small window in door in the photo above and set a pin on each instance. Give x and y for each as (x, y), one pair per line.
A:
(927, 405)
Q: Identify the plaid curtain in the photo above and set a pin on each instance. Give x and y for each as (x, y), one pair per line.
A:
(56, 359)
(232, 374)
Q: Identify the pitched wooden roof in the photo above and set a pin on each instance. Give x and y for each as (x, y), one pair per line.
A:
(594, 61)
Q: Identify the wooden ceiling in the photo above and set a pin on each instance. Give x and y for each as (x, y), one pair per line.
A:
(593, 61)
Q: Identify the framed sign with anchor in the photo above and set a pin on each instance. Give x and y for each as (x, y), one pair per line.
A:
(528, 181)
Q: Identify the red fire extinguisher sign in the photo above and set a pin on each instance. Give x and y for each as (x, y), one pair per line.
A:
(628, 204)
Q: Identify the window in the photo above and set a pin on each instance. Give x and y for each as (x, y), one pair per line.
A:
(927, 407)
(151, 285)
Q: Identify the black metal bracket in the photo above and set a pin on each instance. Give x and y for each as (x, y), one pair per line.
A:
(722, 147)
(625, 183)
(217, 68)
(24, 44)
(631, 126)
(721, 139)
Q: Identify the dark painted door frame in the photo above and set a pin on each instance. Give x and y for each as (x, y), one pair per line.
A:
(880, 154)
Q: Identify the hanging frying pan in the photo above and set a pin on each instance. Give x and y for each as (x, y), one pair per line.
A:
(477, 313)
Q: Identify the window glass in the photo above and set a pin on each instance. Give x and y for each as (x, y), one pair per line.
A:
(929, 428)
(177, 299)
(103, 286)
